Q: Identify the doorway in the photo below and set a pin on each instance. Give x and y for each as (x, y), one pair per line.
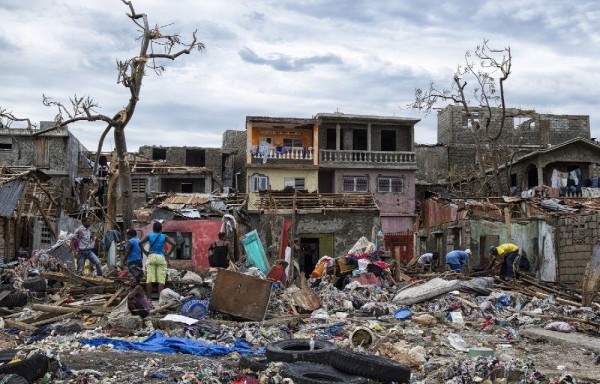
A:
(308, 255)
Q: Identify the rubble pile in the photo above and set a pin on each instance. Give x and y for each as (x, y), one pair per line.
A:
(348, 322)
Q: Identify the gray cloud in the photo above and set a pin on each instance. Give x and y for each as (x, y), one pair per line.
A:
(280, 62)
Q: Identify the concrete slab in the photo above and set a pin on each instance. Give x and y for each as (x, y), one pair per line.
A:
(572, 339)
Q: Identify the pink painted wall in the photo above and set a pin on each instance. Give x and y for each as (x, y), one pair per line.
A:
(396, 209)
(204, 233)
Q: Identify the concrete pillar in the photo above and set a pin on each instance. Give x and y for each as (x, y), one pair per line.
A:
(369, 137)
(540, 172)
(338, 137)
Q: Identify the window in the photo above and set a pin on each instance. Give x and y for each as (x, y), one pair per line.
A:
(292, 142)
(6, 143)
(331, 138)
(184, 245)
(359, 139)
(268, 140)
(466, 122)
(195, 157)
(356, 184)
(390, 184)
(296, 182)
(187, 187)
(138, 185)
(259, 183)
(388, 141)
(159, 154)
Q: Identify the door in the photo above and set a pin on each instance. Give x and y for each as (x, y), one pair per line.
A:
(42, 158)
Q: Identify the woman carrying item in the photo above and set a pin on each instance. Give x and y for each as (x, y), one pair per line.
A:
(218, 252)
(156, 265)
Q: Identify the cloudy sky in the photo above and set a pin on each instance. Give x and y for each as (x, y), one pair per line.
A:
(291, 59)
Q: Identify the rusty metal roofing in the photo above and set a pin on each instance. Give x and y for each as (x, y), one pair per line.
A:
(186, 199)
(10, 194)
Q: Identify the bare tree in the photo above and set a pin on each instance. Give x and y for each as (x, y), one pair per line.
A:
(155, 45)
(488, 69)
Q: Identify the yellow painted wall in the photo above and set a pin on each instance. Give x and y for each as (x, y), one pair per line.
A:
(277, 178)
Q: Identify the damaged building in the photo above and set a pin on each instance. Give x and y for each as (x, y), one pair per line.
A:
(558, 237)
(454, 154)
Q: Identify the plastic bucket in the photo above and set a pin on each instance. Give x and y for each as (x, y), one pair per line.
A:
(194, 308)
(362, 337)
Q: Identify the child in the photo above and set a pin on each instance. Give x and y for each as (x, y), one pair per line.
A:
(137, 302)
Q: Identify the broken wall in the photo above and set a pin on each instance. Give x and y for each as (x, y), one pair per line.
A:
(576, 237)
(345, 227)
(236, 140)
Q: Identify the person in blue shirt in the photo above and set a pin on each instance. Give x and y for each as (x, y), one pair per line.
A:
(157, 264)
(457, 260)
(133, 254)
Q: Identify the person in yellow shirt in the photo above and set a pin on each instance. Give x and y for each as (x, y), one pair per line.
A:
(508, 257)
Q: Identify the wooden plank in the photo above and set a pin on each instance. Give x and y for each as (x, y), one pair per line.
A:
(113, 297)
(19, 325)
(55, 319)
(52, 308)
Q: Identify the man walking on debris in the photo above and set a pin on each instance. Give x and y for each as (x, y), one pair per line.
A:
(156, 265)
(510, 258)
(457, 260)
(84, 244)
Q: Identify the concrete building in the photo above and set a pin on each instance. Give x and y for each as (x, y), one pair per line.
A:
(280, 153)
(58, 153)
(454, 154)
(374, 154)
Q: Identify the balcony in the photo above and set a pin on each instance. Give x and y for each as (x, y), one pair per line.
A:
(282, 155)
(368, 159)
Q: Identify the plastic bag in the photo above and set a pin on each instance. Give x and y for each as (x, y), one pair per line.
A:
(560, 326)
(168, 296)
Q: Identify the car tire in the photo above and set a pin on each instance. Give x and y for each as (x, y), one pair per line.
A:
(312, 373)
(369, 366)
(15, 299)
(255, 363)
(293, 350)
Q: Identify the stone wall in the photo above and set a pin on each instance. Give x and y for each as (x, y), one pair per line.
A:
(526, 130)
(576, 236)
(236, 140)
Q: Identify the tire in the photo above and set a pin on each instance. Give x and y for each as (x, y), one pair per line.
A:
(293, 350)
(12, 379)
(255, 363)
(16, 299)
(369, 366)
(31, 369)
(35, 285)
(312, 373)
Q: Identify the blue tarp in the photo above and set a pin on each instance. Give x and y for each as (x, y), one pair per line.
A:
(157, 342)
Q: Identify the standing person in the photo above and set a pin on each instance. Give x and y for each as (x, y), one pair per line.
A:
(508, 255)
(133, 254)
(457, 260)
(84, 245)
(156, 265)
(218, 252)
(137, 302)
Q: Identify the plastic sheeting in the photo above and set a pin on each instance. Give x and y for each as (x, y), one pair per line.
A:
(159, 343)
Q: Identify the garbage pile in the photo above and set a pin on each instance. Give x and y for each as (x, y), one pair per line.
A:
(352, 320)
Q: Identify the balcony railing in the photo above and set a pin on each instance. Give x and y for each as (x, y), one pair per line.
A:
(370, 157)
(289, 153)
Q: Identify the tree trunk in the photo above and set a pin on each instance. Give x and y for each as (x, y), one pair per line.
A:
(124, 177)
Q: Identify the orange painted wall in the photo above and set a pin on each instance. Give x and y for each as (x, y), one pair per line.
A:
(278, 134)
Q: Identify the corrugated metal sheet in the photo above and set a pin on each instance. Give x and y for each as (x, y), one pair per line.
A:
(189, 199)
(10, 193)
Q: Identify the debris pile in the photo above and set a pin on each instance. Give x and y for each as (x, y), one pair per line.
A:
(354, 319)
